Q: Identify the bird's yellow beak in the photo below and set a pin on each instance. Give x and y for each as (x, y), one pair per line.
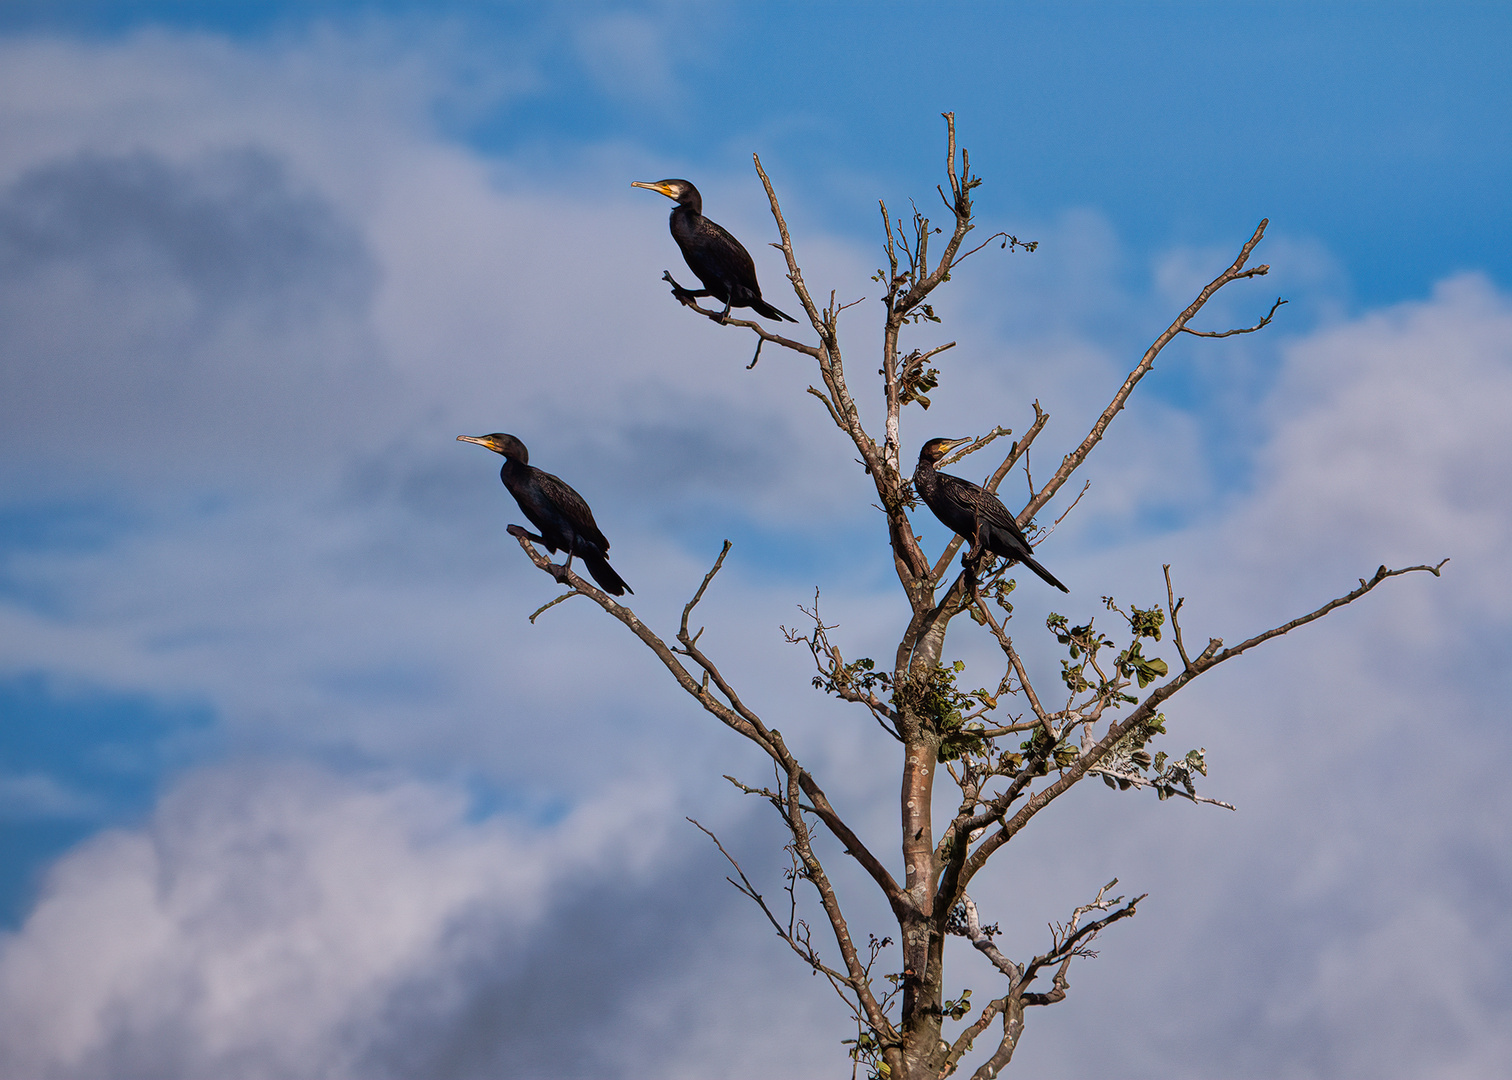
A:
(660, 189)
(479, 439)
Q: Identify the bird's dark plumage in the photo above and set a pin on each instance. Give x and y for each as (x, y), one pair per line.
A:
(721, 262)
(973, 512)
(560, 513)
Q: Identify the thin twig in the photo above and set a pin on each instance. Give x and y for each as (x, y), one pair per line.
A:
(1381, 575)
(693, 603)
(747, 889)
(1243, 330)
(553, 603)
(1138, 781)
(1073, 460)
(1173, 606)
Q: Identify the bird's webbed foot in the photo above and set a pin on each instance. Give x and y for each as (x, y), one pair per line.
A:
(521, 531)
(561, 573)
(686, 297)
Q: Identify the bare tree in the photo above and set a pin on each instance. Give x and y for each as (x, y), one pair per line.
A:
(1006, 765)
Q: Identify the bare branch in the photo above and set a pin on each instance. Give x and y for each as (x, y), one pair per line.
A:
(1138, 781)
(1066, 512)
(1074, 459)
(691, 604)
(972, 925)
(804, 950)
(1069, 940)
(664, 653)
(1173, 606)
(974, 445)
(1243, 330)
(852, 843)
(1381, 575)
(1019, 449)
(816, 875)
(795, 275)
(841, 406)
(552, 603)
(1009, 241)
(1013, 1029)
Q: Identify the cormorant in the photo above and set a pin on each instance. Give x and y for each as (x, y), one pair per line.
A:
(973, 512)
(720, 261)
(560, 513)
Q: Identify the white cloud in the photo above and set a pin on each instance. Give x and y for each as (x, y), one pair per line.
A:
(262, 923)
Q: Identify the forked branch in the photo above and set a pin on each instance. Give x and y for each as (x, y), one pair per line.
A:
(1208, 659)
(1241, 330)
(1073, 460)
(789, 933)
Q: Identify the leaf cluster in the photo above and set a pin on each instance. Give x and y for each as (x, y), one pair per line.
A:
(938, 702)
(859, 675)
(915, 379)
(1084, 644)
(1165, 774)
(955, 1008)
(1063, 754)
(996, 590)
(866, 1049)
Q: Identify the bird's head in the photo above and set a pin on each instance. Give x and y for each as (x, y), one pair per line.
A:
(935, 449)
(679, 191)
(500, 443)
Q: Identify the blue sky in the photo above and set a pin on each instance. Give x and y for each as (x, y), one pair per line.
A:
(1382, 132)
(281, 757)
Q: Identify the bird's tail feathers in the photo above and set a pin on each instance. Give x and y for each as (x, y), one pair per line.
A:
(761, 307)
(1045, 575)
(604, 574)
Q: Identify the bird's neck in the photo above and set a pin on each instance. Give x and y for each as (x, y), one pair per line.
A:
(513, 470)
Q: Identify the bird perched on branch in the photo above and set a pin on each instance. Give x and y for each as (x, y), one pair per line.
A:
(720, 261)
(560, 513)
(973, 512)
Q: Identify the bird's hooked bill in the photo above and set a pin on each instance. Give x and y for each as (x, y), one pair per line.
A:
(659, 186)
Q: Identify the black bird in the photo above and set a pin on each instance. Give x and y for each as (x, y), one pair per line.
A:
(720, 261)
(560, 513)
(973, 512)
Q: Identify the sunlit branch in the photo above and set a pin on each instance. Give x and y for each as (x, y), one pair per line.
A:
(1209, 658)
(1242, 330)
(1074, 459)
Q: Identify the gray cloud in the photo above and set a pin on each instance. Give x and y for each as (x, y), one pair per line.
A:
(227, 228)
(155, 312)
